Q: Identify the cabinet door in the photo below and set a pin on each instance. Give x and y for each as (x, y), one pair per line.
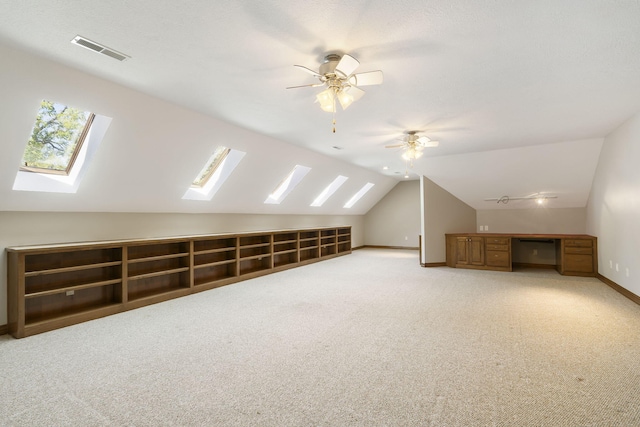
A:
(462, 250)
(476, 250)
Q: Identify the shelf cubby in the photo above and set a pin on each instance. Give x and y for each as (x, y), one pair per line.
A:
(158, 283)
(210, 273)
(53, 306)
(214, 245)
(254, 264)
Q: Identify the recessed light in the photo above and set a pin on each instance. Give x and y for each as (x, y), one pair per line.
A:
(384, 168)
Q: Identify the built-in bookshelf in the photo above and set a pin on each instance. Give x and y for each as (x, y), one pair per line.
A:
(52, 286)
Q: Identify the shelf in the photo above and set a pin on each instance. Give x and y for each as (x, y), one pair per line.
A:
(213, 264)
(158, 258)
(158, 273)
(288, 251)
(215, 251)
(72, 288)
(52, 286)
(68, 269)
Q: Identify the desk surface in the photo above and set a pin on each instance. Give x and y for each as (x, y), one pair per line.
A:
(525, 236)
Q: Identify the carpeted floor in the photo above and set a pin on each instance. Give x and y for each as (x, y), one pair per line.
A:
(369, 339)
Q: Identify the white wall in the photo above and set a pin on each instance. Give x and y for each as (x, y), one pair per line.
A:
(613, 211)
(395, 219)
(442, 213)
(31, 228)
(537, 219)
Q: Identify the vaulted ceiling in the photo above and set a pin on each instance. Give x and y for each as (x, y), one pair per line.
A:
(519, 94)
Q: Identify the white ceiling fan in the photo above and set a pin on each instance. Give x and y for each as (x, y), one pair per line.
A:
(336, 73)
(413, 145)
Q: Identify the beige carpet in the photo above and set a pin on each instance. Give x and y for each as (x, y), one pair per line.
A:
(369, 339)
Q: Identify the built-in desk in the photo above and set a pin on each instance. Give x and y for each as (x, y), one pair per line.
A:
(575, 254)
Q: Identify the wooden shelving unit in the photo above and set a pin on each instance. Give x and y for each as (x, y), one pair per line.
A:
(52, 286)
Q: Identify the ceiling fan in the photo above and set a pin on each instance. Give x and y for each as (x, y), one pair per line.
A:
(336, 73)
(413, 145)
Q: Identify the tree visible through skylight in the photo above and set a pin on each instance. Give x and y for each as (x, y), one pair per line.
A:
(56, 138)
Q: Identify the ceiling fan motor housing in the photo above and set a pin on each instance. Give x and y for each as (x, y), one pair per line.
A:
(329, 64)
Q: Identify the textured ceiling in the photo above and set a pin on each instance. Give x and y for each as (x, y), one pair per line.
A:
(500, 84)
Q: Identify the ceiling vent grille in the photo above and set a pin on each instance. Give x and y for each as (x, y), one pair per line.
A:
(97, 47)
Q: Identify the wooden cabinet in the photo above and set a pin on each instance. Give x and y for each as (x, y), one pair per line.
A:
(51, 286)
(470, 251)
(498, 252)
(576, 255)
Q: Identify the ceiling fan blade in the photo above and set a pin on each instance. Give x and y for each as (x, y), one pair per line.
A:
(311, 85)
(308, 70)
(394, 146)
(367, 79)
(431, 144)
(346, 66)
(355, 92)
(423, 140)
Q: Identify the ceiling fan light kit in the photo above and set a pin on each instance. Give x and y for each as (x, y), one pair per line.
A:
(336, 73)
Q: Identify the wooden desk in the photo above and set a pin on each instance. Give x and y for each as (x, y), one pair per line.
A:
(576, 254)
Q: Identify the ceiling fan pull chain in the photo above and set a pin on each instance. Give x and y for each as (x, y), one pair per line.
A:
(334, 115)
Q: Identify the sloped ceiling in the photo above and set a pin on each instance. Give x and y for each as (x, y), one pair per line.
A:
(519, 94)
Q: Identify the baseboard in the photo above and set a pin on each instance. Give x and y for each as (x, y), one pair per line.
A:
(528, 265)
(355, 248)
(410, 248)
(433, 264)
(4, 329)
(627, 293)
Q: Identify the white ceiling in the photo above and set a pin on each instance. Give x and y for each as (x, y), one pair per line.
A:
(519, 94)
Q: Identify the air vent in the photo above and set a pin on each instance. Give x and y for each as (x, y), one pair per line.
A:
(97, 47)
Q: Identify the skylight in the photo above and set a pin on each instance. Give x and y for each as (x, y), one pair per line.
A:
(56, 138)
(289, 183)
(210, 167)
(60, 147)
(327, 192)
(214, 173)
(352, 201)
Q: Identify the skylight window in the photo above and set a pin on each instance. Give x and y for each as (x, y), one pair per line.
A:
(289, 183)
(210, 167)
(328, 192)
(61, 145)
(214, 173)
(352, 201)
(56, 138)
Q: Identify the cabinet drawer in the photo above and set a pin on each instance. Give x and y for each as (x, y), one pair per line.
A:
(578, 263)
(578, 250)
(581, 243)
(492, 247)
(498, 240)
(497, 258)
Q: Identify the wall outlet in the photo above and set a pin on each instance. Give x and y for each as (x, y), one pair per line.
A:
(627, 271)
(406, 237)
(482, 228)
(610, 264)
(535, 252)
(617, 267)
(70, 293)
(486, 228)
